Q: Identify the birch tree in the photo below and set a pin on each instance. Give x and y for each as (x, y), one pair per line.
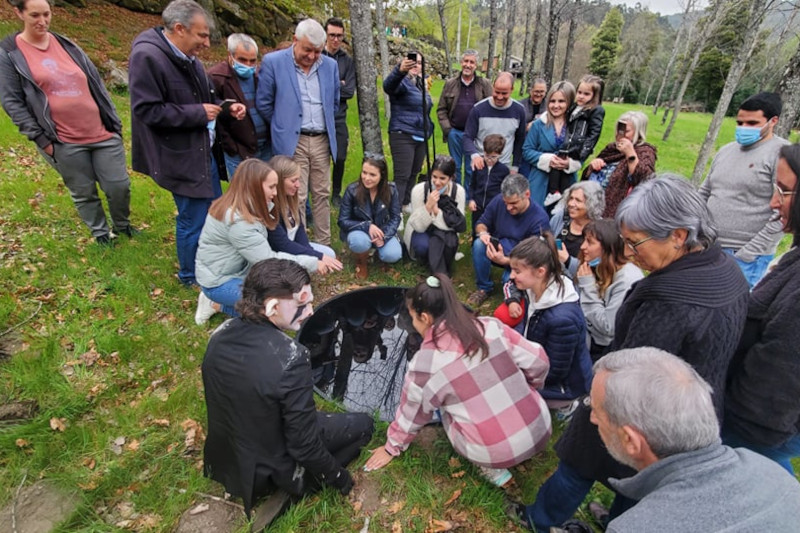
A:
(789, 89)
(366, 75)
(716, 14)
(682, 30)
(492, 37)
(440, 6)
(756, 10)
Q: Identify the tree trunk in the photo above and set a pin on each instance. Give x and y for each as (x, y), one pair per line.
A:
(380, 27)
(711, 23)
(573, 27)
(756, 10)
(789, 89)
(492, 38)
(366, 75)
(552, 42)
(526, 52)
(535, 45)
(511, 7)
(458, 31)
(440, 4)
(675, 48)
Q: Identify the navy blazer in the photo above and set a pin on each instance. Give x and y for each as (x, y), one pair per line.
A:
(278, 99)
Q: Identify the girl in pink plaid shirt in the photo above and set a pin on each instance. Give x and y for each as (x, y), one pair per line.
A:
(480, 375)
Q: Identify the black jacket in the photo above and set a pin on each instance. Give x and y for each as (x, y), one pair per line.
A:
(583, 132)
(262, 422)
(347, 73)
(356, 216)
(694, 308)
(762, 399)
(237, 137)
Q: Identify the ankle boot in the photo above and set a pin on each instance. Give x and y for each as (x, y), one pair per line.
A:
(361, 265)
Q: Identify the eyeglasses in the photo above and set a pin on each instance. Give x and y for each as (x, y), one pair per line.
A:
(336, 36)
(634, 245)
(781, 193)
(491, 157)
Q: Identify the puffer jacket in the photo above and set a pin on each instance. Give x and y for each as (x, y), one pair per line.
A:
(557, 323)
(406, 100)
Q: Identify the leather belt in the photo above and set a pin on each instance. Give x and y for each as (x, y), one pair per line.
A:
(311, 133)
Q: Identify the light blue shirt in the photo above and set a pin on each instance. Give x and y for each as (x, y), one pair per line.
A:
(313, 116)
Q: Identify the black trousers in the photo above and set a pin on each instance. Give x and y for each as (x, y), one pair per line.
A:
(342, 140)
(407, 157)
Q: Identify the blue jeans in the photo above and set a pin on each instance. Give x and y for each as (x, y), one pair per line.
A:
(455, 146)
(558, 499)
(359, 242)
(780, 454)
(483, 267)
(264, 153)
(754, 270)
(188, 225)
(226, 295)
(324, 250)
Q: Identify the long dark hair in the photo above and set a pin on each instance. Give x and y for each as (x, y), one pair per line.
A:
(791, 154)
(384, 191)
(540, 251)
(612, 257)
(270, 278)
(437, 297)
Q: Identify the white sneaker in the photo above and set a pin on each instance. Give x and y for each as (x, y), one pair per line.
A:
(498, 476)
(459, 256)
(552, 198)
(401, 226)
(205, 309)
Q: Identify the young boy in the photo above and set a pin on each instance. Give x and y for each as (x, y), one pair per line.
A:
(485, 183)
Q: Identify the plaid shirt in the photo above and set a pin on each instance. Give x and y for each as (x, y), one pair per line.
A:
(490, 409)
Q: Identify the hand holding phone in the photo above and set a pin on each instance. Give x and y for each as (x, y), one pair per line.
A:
(412, 56)
(226, 104)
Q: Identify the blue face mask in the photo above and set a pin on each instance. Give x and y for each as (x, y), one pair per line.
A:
(243, 71)
(594, 262)
(747, 135)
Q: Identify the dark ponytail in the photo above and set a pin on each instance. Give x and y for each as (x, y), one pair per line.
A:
(540, 251)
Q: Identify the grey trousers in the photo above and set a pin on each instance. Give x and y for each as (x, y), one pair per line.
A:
(83, 167)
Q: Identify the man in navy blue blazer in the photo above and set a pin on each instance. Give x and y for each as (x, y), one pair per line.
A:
(298, 95)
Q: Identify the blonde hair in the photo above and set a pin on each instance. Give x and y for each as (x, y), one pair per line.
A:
(568, 90)
(287, 206)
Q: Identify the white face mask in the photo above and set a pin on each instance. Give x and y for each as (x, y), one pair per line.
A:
(289, 313)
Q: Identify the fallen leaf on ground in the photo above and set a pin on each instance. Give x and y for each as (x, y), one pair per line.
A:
(89, 463)
(134, 445)
(454, 497)
(437, 526)
(458, 474)
(357, 506)
(21, 443)
(454, 462)
(396, 507)
(396, 527)
(161, 422)
(58, 424)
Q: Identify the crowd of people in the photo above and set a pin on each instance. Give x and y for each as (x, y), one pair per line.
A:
(657, 374)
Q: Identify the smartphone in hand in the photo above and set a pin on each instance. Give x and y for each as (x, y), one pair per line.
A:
(226, 105)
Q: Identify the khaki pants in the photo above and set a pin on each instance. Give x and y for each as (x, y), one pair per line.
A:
(313, 154)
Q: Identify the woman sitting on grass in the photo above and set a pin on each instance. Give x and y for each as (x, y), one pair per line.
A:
(370, 214)
(289, 234)
(604, 277)
(543, 304)
(480, 375)
(437, 217)
(235, 237)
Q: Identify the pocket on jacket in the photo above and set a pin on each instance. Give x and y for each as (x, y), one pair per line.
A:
(179, 164)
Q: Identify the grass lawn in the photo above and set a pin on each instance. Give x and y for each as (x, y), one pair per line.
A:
(104, 342)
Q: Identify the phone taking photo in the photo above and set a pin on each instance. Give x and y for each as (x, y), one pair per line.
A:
(412, 56)
(621, 129)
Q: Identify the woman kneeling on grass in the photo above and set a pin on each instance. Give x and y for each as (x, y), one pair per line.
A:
(234, 238)
(370, 214)
(480, 375)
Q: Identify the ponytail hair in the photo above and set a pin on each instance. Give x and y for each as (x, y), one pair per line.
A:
(437, 297)
(540, 251)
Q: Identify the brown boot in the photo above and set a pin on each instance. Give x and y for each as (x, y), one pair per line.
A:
(361, 265)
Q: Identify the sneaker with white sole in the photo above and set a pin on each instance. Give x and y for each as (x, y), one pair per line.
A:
(205, 309)
(498, 476)
(552, 198)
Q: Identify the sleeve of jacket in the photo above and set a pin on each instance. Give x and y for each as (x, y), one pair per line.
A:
(265, 92)
(470, 131)
(347, 221)
(395, 214)
(149, 101)
(511, 294)
(251, 244)
(301, 429)
(529, 356)
(530, 148)
(646, 165)
(393, 84)
(658, 324)
(12, 97)
(600, 316)
(348, 75)
(593, 132)
(415, 409)
(562, 336)
(420, 219)
(520, 135)
(279, 241)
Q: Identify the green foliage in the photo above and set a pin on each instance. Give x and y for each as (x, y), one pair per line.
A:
(606, 44)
